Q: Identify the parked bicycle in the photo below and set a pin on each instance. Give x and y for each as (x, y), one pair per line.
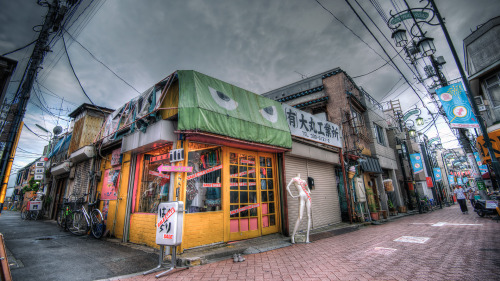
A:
(33, 210)
(65, 210)
(81, 220)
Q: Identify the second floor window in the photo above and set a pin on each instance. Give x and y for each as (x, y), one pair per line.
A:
(493, 88)
(379, 133)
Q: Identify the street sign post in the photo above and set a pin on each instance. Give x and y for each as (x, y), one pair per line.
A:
(168, 233)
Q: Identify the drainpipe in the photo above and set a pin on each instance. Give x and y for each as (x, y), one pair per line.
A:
(128, 206)
(345, 186)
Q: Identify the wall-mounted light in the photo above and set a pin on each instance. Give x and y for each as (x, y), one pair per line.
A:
(426, 46)
(399, 37)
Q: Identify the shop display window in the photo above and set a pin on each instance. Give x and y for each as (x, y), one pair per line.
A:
(204, 184)
(155, 185)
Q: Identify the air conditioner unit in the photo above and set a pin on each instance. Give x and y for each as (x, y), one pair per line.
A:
(479, 100)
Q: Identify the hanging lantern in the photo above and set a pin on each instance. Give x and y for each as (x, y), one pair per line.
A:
(412, 133)
(420, 121)
(426, 46)
(399, 37)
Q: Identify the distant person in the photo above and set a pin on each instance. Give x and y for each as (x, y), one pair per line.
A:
(472, 193)
(459, 192)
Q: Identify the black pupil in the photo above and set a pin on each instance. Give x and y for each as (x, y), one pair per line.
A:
(223, 97)
(269, 110)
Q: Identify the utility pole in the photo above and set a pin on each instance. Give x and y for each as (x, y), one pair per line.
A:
(52, 21)
(494, 161)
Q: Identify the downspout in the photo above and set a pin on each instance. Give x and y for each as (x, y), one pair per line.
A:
(283, 195)
(345, 186)
(128, 206)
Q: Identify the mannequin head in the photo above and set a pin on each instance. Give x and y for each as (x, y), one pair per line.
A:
(298, 175)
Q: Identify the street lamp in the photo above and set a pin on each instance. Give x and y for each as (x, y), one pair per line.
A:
(412, 133)
(399, 37)
(420, 121)
(426, 46)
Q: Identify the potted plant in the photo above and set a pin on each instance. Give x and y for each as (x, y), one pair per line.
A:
(375, 215)
(392, 209)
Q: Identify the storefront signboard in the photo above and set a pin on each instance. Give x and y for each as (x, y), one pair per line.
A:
(169, 223)
(177, 169)
(308, 126)
(480, 185)
(160, 158)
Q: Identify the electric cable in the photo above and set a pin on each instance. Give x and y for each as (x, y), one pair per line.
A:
(352, 31)
(79, 83)
(35, 133)
(386, 63)
(19, 49)
(94, 57)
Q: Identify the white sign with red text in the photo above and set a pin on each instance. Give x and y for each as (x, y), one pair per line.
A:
(169, 223)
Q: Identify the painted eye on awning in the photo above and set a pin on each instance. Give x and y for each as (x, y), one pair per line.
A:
(223, 100)
(270, 113)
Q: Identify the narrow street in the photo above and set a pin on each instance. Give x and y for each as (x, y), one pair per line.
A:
(452, 247)
(40, 250)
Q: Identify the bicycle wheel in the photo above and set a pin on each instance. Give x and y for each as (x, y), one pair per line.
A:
(24, 213)
(76, 223)
(97, 226)
(34, 215)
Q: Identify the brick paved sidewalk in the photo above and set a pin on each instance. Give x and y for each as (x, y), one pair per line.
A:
(459, 247)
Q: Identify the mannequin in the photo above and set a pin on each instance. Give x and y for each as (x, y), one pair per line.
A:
(304, 200)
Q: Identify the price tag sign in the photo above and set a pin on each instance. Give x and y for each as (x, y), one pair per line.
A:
(491, 204)
(169, 223)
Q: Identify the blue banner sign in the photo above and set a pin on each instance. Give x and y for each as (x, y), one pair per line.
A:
(451, 179)
(457, 107)
(459, 180)
(437, 174)
(416, 163)
(482, 168)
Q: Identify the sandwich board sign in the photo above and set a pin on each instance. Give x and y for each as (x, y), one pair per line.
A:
(169, 223)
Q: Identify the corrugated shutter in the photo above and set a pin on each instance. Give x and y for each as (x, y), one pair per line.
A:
(325, 200)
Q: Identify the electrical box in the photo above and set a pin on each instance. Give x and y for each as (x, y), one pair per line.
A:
(169, 223)
(310, 183)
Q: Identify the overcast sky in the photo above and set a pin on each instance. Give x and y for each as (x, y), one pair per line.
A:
(257, 45)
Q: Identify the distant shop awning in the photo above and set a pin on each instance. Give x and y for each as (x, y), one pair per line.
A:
(371, 165)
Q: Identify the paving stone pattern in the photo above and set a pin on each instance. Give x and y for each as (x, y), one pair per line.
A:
(453, 252)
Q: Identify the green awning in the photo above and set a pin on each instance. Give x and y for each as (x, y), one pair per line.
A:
(214, 106)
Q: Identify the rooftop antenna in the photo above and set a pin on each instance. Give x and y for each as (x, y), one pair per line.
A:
(302, 75)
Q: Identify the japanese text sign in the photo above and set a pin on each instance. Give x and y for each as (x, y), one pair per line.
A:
(457, 106)
(169, 223)
(110, 184)
(180, 169)
(308, 126)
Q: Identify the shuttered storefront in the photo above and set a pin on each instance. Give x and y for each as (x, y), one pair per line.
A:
(325, 200)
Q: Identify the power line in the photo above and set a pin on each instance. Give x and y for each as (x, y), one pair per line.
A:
(35, 133)
(77, 79)
(386, 63)
(352, 31)
(94, 57)
(19, 49)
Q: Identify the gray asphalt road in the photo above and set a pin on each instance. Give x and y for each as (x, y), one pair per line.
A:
(42, 251)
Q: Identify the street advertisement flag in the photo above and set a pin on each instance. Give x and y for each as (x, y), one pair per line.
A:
(431, 141)
(429, 182)
(474, 171)
(416, 163)
(482, 168)
(457, 107)
(308, 126)
(459, 181)
(451, 179)
(437, 174)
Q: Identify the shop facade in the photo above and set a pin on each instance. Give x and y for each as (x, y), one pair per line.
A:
(204, 142)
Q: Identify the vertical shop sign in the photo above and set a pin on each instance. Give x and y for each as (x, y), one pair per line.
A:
(110, 184)
(457, 107)
(416, 163)
(429, 182)
(308, 126)
(169, 223)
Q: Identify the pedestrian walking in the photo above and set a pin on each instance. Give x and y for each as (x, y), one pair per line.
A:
(459, 192)
(471, 193)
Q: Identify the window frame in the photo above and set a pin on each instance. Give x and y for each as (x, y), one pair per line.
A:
(487, 86)
(379, 134)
